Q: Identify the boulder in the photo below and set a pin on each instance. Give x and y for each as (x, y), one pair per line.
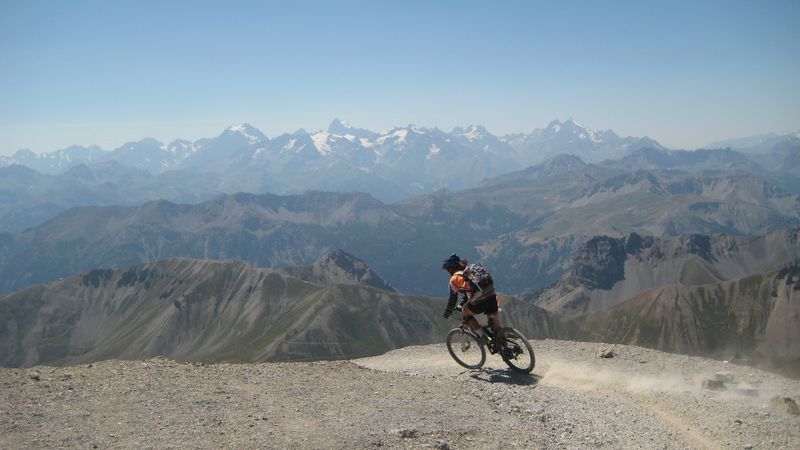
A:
(605, 353)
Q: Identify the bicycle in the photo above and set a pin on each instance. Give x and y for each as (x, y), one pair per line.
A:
(469, 350)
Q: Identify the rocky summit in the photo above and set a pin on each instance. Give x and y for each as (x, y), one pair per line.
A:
(414, 397)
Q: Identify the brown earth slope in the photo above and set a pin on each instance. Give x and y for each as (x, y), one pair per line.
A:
(754, 319)
(201, 310)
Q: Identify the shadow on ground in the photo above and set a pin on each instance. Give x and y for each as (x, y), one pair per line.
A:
(505, 376)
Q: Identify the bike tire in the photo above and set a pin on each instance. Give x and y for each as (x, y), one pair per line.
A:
(517, 351)
(465, 347)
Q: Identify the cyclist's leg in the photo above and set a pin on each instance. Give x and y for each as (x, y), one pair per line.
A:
(493, 313)
(468, 317)
(494, 321)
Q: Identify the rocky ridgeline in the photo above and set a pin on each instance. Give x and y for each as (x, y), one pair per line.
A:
(606, 270)
(338, 266)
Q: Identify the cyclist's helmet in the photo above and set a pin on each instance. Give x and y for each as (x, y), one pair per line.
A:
(451, 262)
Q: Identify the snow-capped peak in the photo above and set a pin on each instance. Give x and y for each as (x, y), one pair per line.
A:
(250, 132)
(571, 128)
(240, 128)
(321, 142)
(396, 134)
(339, 127)
(179, 147)
(554, 126)
(474, 132)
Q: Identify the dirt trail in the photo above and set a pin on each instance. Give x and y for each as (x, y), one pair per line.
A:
(415, 397)
(644, 385)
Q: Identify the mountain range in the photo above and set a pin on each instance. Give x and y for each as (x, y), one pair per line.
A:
(244, 145)
(202, 310)
(728, 297)
(753, 320)
(607, 271)
(221, 249)
(392, 165)
(525, 224)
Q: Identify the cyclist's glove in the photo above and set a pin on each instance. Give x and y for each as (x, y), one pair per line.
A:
(447, 312)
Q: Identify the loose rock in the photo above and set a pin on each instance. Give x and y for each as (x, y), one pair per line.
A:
(713, 385)
(605, 353)
(725, 377)
(408, 433)
(785, 404)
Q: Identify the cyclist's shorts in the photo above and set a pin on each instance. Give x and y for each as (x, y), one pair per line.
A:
(486, 305)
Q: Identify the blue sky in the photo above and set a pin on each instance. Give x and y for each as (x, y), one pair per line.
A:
(685, 73)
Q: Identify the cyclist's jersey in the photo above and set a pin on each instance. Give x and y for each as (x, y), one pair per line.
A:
(459, 283)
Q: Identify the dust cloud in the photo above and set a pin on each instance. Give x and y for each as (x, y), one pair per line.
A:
(586, 377)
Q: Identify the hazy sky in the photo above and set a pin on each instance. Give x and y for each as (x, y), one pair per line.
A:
(107, 72)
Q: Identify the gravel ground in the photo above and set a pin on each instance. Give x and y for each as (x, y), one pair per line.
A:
(415, 397)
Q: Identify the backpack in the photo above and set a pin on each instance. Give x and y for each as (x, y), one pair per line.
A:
(479, 276)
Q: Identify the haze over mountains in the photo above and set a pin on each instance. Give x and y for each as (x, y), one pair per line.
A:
(599, 230)
(396, 149)
(392, 165)
(525, 224)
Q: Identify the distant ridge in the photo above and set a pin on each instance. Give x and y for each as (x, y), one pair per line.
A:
(204, 310)
(607, 271)
(338, 266)
(753, 320)
(391, 165)
(524, 225)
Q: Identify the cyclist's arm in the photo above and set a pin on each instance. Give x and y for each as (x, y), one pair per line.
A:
(458, 284)
(451, 302)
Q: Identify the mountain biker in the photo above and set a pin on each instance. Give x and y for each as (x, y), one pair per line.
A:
(478, 301)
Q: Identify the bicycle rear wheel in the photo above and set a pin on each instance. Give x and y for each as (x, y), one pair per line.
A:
(465, 348)
(516, 351)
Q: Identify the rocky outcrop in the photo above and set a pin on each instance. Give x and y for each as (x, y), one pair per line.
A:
(338, 266)
(606, 271)
(753, 320)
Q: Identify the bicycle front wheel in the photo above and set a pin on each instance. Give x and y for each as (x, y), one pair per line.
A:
(465, 348)
(516, 351)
